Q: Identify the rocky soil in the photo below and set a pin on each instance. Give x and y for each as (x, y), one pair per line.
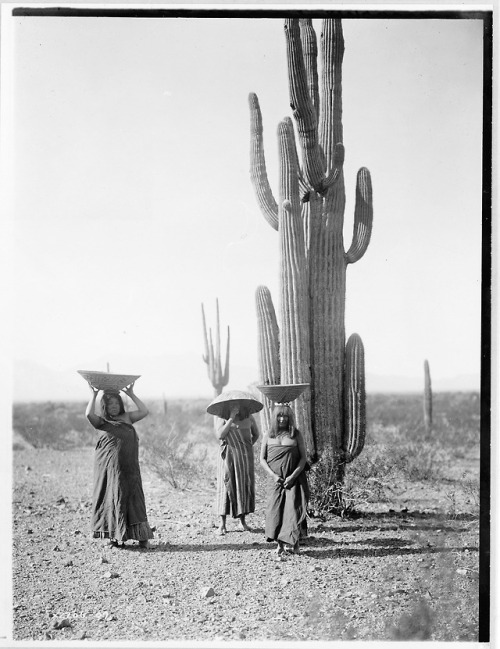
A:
(402, 570)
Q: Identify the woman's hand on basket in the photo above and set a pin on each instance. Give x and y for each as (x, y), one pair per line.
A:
(93, 390)
(129, 390)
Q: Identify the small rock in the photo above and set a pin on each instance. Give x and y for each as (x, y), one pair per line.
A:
(68, 564)
(56, 548)
(461, 571)
(315, 569)
(207, 592)
(111, 575)
(27, 468)
(29, 531)
(62, 624)
(103, 560)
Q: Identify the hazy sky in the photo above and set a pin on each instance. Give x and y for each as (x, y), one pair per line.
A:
(133, 202)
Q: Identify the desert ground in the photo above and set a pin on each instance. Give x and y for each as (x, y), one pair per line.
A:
(400, 563)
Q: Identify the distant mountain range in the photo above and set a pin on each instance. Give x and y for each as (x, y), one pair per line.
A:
(179, 377)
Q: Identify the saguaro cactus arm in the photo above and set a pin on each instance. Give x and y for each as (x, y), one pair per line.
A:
(258, 172)
(268, 347)
(332, 53)
(321, 172)
(354, 398)
(302, 106)
(310, 53)
(363, 217)
(212, 357)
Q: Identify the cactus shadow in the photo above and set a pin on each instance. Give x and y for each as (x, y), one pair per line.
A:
(210, 547)
(379, 552)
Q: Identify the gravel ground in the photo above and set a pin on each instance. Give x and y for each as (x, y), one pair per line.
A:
(405, 570)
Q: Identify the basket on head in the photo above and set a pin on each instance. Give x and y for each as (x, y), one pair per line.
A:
(222, 404)
(107, 381)
(283, 393)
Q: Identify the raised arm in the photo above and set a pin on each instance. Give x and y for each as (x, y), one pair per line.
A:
(94, 419)
(142, 411)
(254, 430)
(222, 431)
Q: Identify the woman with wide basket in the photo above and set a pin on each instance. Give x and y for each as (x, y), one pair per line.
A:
(118, 504)
(283, 457)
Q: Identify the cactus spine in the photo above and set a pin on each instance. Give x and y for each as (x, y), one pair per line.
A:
(212, 356)
(427, 398)
(309, 217)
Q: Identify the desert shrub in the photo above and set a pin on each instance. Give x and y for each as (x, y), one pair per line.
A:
(53, 425)
(178, 445)
(456, 417)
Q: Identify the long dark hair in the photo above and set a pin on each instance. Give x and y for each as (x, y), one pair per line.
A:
(282, 409)
(105, 401)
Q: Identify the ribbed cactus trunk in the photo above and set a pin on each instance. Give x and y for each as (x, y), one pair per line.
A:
(212, 356)
(427, 398)
(309, 217)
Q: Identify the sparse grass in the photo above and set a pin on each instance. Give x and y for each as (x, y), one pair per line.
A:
(53, 425)
(398, 450)
(178, 442)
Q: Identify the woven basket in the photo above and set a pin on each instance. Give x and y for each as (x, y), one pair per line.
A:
(108, 381)
(283, 393)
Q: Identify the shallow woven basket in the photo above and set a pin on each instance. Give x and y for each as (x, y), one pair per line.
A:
(108, 381)
(283, 393)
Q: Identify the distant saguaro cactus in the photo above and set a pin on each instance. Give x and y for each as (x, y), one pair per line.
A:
(212, 356)
(309, 217)
(427, 398)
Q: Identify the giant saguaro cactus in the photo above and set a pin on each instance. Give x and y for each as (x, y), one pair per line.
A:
(309, 218)
(427, 398)
(212, 355)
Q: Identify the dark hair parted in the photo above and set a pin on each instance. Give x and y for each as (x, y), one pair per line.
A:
(105, 399)
(282, 409)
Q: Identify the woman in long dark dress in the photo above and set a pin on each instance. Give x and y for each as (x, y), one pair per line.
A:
(118, 507)
(283, 456)
(235, 466)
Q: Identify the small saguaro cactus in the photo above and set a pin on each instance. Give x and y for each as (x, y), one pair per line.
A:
(212, 355)
(427, 398)
(309, 344)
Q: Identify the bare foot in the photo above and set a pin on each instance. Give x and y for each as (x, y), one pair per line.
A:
(245, 527)
(221, 531)
(296, 548)
(279, 549)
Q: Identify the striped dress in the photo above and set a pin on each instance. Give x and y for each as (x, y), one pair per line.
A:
(235, 472)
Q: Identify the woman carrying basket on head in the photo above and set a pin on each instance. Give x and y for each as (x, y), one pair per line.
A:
(283, 457)
(118, 507)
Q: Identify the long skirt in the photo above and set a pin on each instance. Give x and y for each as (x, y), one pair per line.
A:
(236, 475)
(118, 508)
(286, 511)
